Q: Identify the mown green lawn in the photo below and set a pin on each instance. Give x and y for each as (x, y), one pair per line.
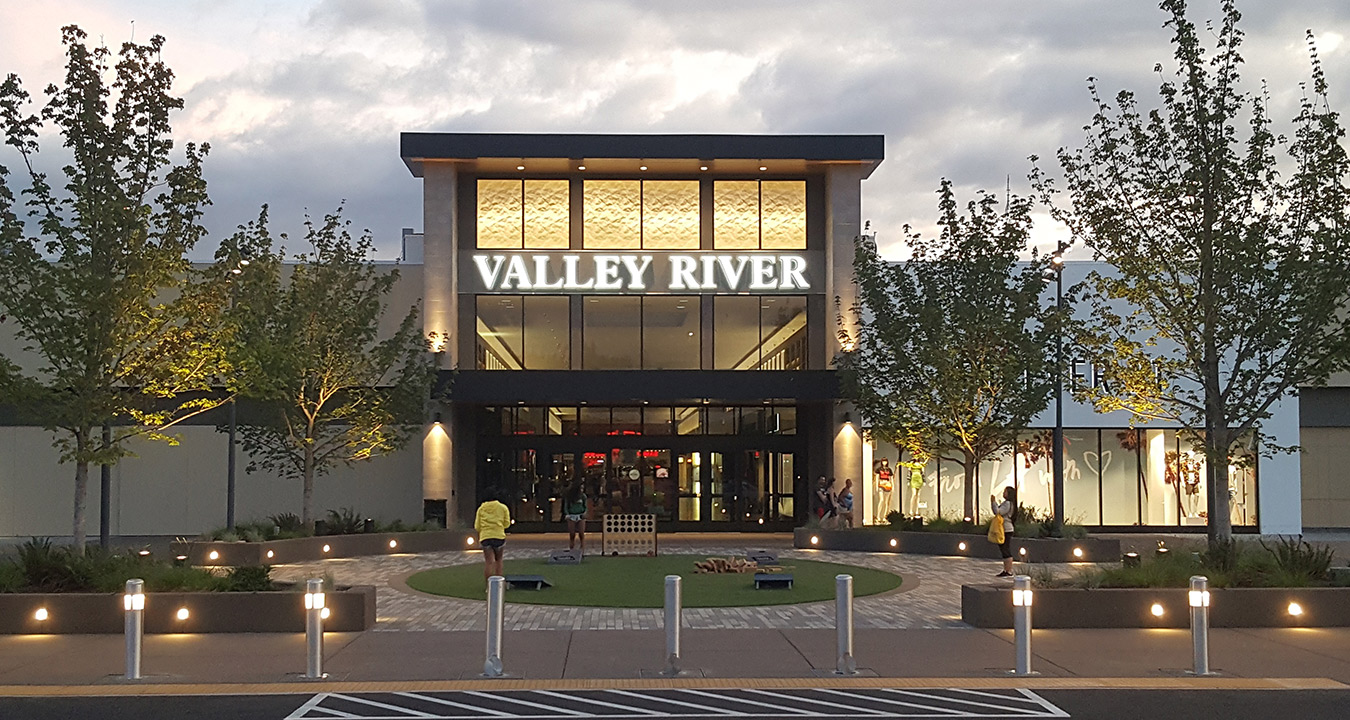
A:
(639, 582)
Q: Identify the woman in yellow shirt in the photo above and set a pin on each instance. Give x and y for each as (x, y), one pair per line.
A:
(491, 522)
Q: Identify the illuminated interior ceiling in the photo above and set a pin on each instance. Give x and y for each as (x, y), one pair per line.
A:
(612, 214)
(783, 214)
(547, 214)
(670, 214)
(736, 214)
(500, 213)
(495, 344)
(775, 340)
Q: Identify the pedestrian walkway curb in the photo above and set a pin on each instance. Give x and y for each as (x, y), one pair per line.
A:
(300, 687)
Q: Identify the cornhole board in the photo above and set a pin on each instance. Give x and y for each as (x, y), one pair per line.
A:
(762, 557)
(628, 534)
(527, 582)
(565, 557)
(773, 580)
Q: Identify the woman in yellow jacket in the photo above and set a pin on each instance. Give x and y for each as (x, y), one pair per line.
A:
(491, 522)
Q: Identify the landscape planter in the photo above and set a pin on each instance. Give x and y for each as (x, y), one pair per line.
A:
(990, 606)
(1049, 550)
(276, 552)
(352, 610)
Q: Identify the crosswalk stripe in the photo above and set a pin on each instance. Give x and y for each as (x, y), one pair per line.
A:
(801, 698)
(503, 697)
(947, 712)
(452, 703)
(731, 698)
(404, 712)
(602, 703)
(1005, 708)
(711, 709)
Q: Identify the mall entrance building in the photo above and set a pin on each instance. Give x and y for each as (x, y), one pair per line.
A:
(650, 316)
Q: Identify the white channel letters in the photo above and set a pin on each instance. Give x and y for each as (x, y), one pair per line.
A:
(598, 272)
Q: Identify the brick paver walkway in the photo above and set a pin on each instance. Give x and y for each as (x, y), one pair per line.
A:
(935, 603)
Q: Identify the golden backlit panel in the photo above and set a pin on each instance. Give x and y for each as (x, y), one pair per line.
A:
(499, 214)
(783, 214)
(613, 215)
(736, 215)
(670, 214)
(547, 214)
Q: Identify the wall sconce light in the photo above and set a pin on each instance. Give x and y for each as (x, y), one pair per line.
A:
(393, 544)
(815, 540)
(270, 554)
(1130, 559)
(895, 543)
(468, 540)
(1295, 609)
(1157, 610)
(326, 548)
(961, 545)
(41, 615)
(848, 418)
(183, 613)
(213, 555)
(1078, 553)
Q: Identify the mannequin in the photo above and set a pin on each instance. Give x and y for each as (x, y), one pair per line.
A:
(885, 484)
(915, 487)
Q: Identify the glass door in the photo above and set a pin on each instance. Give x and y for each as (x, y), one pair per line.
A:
(689, 486)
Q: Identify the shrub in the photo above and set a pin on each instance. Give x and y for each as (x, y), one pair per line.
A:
(1296, 557)
(11, 577)
(1222, 556)
(287, 522)
(898, 521)
(343, 522)
(257, 578)
(50, 567)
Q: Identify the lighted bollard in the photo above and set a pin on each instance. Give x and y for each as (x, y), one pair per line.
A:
(314, 604)
(673, 618)
(496, 599)
(844, 662)
(134, 604)
(1199, 602)
(1022, 623)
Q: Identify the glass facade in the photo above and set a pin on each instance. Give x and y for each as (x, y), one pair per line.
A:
(1112, 477)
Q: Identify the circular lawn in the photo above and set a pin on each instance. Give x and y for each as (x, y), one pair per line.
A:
(639, 582)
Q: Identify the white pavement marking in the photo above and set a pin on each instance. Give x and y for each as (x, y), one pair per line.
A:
(616, 706)
(505, 697)
(945, 712)
(659, 698)
(754, 703)
(927, 696)
(672, 703)
(452, 703)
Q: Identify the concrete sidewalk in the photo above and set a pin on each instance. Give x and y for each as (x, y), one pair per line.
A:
(91, 660)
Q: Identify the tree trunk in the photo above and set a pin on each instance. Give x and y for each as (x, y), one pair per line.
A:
(81, 488)
(307, 500)
(1219, 524)
(972, 475)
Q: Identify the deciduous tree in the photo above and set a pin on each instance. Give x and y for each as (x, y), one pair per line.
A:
(1228, 245)
(308, 348)
(949, 348)
(97, 284)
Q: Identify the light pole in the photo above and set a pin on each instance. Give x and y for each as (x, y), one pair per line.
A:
(238, 269)
(1057, 260)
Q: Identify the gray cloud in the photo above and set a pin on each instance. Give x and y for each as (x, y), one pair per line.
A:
(304, 104)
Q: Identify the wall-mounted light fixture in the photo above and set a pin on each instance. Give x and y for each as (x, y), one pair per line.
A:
(848, 418)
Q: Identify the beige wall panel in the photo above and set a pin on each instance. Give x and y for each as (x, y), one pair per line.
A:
(1326, 476)
(37, 493)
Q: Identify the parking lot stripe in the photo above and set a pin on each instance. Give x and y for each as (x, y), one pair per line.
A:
(452, 703)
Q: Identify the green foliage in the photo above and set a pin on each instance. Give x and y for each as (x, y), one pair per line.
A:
(45, 565)
(1290, 563)
(287, 522)
(1230, 266)
(307, 344)
(343, 522)
(249, 579)
(947, 353)
(11, 577)
(899, 521)
(1297, 557)
(40, 566)
(104, 296)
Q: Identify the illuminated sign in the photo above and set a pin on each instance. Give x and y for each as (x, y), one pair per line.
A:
(646, 272)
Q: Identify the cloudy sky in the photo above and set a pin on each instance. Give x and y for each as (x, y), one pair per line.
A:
(303, 102)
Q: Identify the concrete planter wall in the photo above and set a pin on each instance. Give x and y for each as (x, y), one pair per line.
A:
(1052, 550)
(352, 610)
(990, 606)
(274, 552)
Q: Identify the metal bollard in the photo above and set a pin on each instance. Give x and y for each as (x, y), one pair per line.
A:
(1022, 623)
(844, 663)
(314, 604)
(1199, 602)
(673, 618)
(496, 598)
(134, 604)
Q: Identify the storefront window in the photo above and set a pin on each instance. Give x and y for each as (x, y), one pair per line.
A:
(1082, 477)
(670, 333)
(721, 421)
(759, 333)
(562, 421)
(501, 211)
(657, 421)
(523, 332)
(783, 333)
(594, 421)
(1121, 477)
(784, 421)
(736, 336)
(736, 215)
(626, 421)
(612, 333)
(689, 421)
(783, 215)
